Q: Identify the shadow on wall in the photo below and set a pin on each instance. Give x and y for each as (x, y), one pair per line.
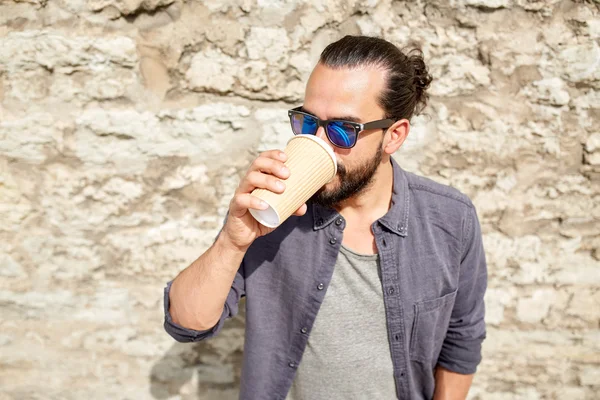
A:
(205, 370)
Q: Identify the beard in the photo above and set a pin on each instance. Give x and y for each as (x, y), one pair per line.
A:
(351, 182)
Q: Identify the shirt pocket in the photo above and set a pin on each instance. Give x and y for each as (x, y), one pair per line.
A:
(429, 328)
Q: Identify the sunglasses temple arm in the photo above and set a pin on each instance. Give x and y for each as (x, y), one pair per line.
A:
(382, 124)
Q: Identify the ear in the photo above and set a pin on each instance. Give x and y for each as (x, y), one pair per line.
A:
(395, 136)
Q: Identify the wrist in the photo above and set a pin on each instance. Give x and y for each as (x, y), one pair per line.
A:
(225, 242)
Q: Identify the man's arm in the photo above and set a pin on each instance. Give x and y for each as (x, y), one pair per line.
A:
(202, 296)
(450, 385)
(198, 293)
(461, 350)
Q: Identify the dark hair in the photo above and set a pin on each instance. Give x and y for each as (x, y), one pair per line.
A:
(407, 75)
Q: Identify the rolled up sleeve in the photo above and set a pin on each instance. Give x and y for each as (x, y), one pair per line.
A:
(230, 309)
(461, 350)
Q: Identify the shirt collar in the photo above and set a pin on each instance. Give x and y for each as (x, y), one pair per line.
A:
(396, 219)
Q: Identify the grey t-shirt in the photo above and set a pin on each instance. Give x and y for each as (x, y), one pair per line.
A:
(347, 355)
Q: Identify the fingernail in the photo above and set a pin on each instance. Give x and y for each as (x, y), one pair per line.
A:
(282, 155)
(284, 170)
(263, 205)
(279, 185)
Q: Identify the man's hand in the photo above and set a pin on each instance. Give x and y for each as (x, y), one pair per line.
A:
(450, 385)
(268, 171)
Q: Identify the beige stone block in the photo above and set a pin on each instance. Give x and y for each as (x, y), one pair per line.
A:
(496, 300)
(569, 393)
(212, 70)
(585, 304)
(184, 176)
(590, 99)
(552, 91)
(488, 4)
(92, 199)
(276, 128)
(5, 340)
(17, 12)
(535, 308)
(368, 27)
(581, 62)
(560, 347)
(266, 43)
(141, 136)
(311, 20)
(169, 42)
(213, 394)
(9, 268)
(531, 272)
(593, 159)
(104, 83)
(172, 246)
(590, 375)
(253, 76)
(302, 62)
(34, 304)
(28, 139)
(594, 28)
(155, 76)
(506, 55)
(28, 86)
(582, 226)
(503, 250)
(17, 189)
(158, 18)
(55, 259)
(593, 142)
(576, 269)
(462, 75)
(128, 6)
(63, 53)
(225, 35)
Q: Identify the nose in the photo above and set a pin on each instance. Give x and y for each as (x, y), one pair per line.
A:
(321, 134)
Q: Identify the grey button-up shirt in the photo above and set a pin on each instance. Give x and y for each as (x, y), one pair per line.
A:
(434, 277)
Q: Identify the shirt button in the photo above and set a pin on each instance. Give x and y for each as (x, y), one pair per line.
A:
(320, 286)
(292, 365)
(391, 290)
(333, 240)
(338, 221)
(304, 330)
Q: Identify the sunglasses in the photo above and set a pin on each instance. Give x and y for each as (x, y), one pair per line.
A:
(341, 133)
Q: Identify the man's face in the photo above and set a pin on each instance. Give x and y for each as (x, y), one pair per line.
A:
(339, 94)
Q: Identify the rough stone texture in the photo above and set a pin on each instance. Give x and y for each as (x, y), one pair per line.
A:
(126, 124)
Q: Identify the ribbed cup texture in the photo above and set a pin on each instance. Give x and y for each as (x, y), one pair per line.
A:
(310, 167)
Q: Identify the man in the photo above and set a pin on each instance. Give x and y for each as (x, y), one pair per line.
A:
(374, 289)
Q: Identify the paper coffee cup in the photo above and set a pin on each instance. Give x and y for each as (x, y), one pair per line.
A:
(312, 164)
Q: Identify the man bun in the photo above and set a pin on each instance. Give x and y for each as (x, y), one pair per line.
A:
(421, 79)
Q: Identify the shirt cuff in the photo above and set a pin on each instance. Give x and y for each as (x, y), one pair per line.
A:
(460, 356)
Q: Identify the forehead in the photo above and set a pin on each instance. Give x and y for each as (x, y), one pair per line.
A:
(335, 92)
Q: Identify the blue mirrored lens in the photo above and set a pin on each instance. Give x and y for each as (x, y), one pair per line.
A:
(304, 125)
(341, 134)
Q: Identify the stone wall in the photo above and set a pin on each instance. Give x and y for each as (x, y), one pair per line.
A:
(126, 124)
